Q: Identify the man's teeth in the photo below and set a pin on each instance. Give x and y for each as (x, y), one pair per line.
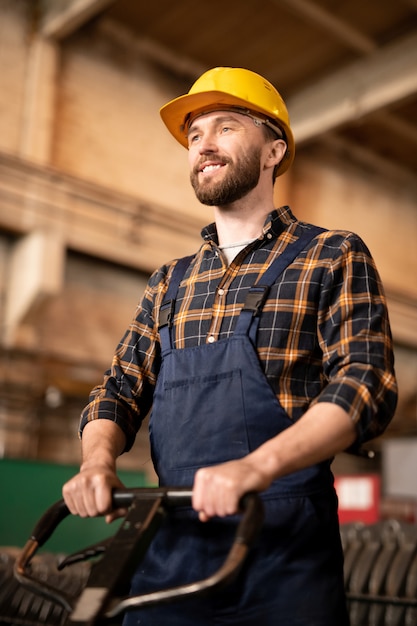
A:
(210, 168)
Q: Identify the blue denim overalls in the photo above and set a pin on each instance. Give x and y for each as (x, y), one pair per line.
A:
(213, 403)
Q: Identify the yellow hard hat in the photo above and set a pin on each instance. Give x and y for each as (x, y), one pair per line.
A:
(224, 88)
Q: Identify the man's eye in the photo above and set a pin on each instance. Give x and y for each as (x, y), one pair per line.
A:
(193, 138)
(225, 129)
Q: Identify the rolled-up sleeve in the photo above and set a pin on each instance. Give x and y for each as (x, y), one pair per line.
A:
(126, 393)
(355, 337)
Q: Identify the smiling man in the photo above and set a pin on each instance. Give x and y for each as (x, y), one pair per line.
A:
(261, 357)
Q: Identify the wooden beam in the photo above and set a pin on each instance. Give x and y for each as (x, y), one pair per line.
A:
(332, 25)
(386, 77)
(404, 129)
(63, 17)
(92, 219)
(182, 66)
(411, 3)
(385, 167)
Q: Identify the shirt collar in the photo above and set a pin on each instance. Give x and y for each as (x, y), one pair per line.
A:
(275, 224)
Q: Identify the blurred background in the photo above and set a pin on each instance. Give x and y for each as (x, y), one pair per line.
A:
(94, 195)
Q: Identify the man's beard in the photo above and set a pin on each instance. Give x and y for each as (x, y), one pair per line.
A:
(242, 177)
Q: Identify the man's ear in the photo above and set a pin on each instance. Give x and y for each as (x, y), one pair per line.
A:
(277, 150)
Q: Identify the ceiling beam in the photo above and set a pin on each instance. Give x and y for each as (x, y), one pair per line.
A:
(180, 65)
(362, 154)
(403, 129)
(385, 77)
(331, 24)
(62, 17)
(411, 3)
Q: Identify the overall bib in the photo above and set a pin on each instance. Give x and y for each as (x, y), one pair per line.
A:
(212, 404)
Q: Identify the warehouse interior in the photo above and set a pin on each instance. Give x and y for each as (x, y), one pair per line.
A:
(95, 194)
(86, 213)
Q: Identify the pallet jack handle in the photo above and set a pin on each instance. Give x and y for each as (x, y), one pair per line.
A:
(102, 599)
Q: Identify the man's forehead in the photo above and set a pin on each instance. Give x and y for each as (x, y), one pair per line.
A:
(218, 115)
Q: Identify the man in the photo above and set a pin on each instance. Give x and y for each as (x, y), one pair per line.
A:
(268, 355)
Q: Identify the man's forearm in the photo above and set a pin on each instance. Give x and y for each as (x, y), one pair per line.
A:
(322, 432)
(102, 442)
(89, 493)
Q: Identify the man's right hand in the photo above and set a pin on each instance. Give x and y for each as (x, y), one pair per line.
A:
(89, 493)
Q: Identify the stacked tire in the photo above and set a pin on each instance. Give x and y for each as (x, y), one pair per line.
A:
(20, 606)
(381, 573)
(380, 579)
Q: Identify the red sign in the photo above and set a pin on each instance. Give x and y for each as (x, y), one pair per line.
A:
(359, 497)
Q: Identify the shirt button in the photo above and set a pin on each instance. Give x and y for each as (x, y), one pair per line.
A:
(221, 292)
(211, 339)
(269, 236)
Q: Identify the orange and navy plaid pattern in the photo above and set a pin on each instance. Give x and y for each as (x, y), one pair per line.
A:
(323, 336)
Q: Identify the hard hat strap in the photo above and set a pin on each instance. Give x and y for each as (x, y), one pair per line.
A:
(257, 119)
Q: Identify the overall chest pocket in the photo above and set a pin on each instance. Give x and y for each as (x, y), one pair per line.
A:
(202, 421)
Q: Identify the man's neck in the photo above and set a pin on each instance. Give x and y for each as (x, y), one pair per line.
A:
(241, 221)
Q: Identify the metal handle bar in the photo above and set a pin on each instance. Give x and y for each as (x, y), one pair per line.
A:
(121, 498)
(57, 512)
(251, 508)
(253, 515)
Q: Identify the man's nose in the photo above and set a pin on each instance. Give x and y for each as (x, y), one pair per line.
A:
(207, 143)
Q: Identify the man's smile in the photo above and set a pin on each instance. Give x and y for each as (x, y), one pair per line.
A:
(210, 168)
(209, 165)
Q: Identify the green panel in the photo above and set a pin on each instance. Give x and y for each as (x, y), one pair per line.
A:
(28, 489)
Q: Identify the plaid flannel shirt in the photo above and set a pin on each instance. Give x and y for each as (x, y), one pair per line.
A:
(324, 333)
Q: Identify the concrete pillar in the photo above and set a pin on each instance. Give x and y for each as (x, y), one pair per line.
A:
(36, 272)
(39, 102)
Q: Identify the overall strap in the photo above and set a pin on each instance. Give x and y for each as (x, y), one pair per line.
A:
(167, 307)
(248, 320)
